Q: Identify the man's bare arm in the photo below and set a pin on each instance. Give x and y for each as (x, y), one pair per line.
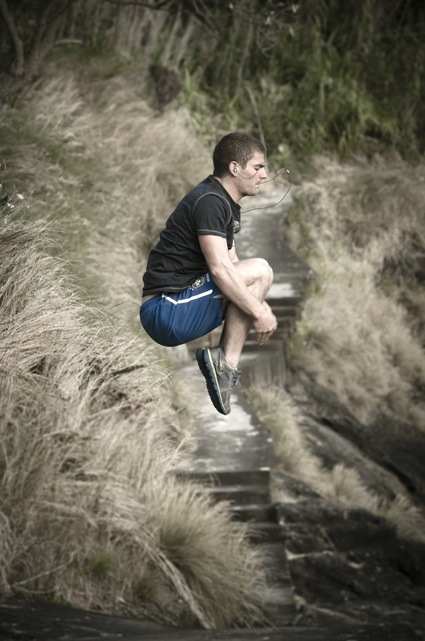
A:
(232, 284)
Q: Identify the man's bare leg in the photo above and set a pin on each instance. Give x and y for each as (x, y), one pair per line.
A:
(220, 367)
(258, 277)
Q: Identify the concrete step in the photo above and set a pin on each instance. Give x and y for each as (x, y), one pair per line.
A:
(254, 512)
(278, 608)
(251, 345)
(273, 346)
(285, 304)
(285, 325)
(280, 337)
(266, 532)
(275, 563)
(289, 298)
(265, 368)
(286, 313)
(278, 598)
(225, 477)
(289, 284)
(33, 620)
(240, 494)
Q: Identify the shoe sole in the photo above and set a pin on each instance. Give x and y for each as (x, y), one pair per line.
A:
(206, 365)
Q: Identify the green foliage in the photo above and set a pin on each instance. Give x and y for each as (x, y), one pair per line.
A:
(102, 564)
(337, 76)
(212, 122)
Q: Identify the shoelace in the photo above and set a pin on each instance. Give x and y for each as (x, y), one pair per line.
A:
(222, 365)
(235, 377)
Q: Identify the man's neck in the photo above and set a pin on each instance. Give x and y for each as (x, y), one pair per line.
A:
(229, 186)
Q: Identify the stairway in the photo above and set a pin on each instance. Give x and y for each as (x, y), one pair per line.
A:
(232, 461)
(234, 453)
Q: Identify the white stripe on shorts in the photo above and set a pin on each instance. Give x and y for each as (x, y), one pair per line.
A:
(187, 300)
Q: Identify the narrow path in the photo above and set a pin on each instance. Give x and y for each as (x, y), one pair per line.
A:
(234, 453)
(233, 459)
(43, 621)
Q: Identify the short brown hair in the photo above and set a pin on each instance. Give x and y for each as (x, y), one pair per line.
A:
(237, 146)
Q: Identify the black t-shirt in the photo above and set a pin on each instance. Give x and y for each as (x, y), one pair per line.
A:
(177, 260)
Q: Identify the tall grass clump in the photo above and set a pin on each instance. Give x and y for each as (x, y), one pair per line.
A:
(113, 168)
(90, 507)
(340, 484)
(361, 228)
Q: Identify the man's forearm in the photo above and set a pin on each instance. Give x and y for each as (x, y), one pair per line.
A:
(235, 290)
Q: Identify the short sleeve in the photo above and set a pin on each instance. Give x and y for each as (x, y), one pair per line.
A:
(211, 215)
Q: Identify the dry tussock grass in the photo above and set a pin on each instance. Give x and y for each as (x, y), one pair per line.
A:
(134, 167)
(90, 508)
(341, 484)
(365, 233)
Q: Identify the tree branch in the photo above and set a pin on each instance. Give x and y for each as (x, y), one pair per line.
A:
(18, 66)
(44, 37)
(140, 3)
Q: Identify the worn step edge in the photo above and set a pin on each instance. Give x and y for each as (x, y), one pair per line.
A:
(263, 532)
(285, 310)
(243, 494)
(252, 512)
(292, 299)
(281, 595)
(225, 477)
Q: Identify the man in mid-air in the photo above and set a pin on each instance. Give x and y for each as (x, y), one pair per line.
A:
(194, 280)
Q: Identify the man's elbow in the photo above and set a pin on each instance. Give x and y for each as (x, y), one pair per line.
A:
(218, 272)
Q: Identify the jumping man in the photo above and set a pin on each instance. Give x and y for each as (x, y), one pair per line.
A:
(194, 280)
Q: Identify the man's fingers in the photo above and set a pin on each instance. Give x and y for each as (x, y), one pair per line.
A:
(264, 337)
(271, 324)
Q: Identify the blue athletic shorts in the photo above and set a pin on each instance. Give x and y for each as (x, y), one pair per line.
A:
(172, 319)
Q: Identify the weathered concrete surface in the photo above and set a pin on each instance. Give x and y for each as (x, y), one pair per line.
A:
(47, 622)
(233, 456)
(235, 442)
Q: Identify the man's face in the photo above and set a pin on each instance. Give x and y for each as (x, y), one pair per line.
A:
(252, 175)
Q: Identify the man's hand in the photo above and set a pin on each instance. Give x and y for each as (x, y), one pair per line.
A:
(265, 325)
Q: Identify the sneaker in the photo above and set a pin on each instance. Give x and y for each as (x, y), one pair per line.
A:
(220, 378)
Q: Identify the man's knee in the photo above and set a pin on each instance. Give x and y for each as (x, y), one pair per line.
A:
(271, 275)
(265, 270)
(264, 273)
(255, 271)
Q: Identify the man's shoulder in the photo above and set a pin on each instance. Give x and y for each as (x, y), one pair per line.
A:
(210, 190)
(207, 186)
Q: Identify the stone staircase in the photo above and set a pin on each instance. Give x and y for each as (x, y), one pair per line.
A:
(234, 454)
(233, 462)
(248, 495)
